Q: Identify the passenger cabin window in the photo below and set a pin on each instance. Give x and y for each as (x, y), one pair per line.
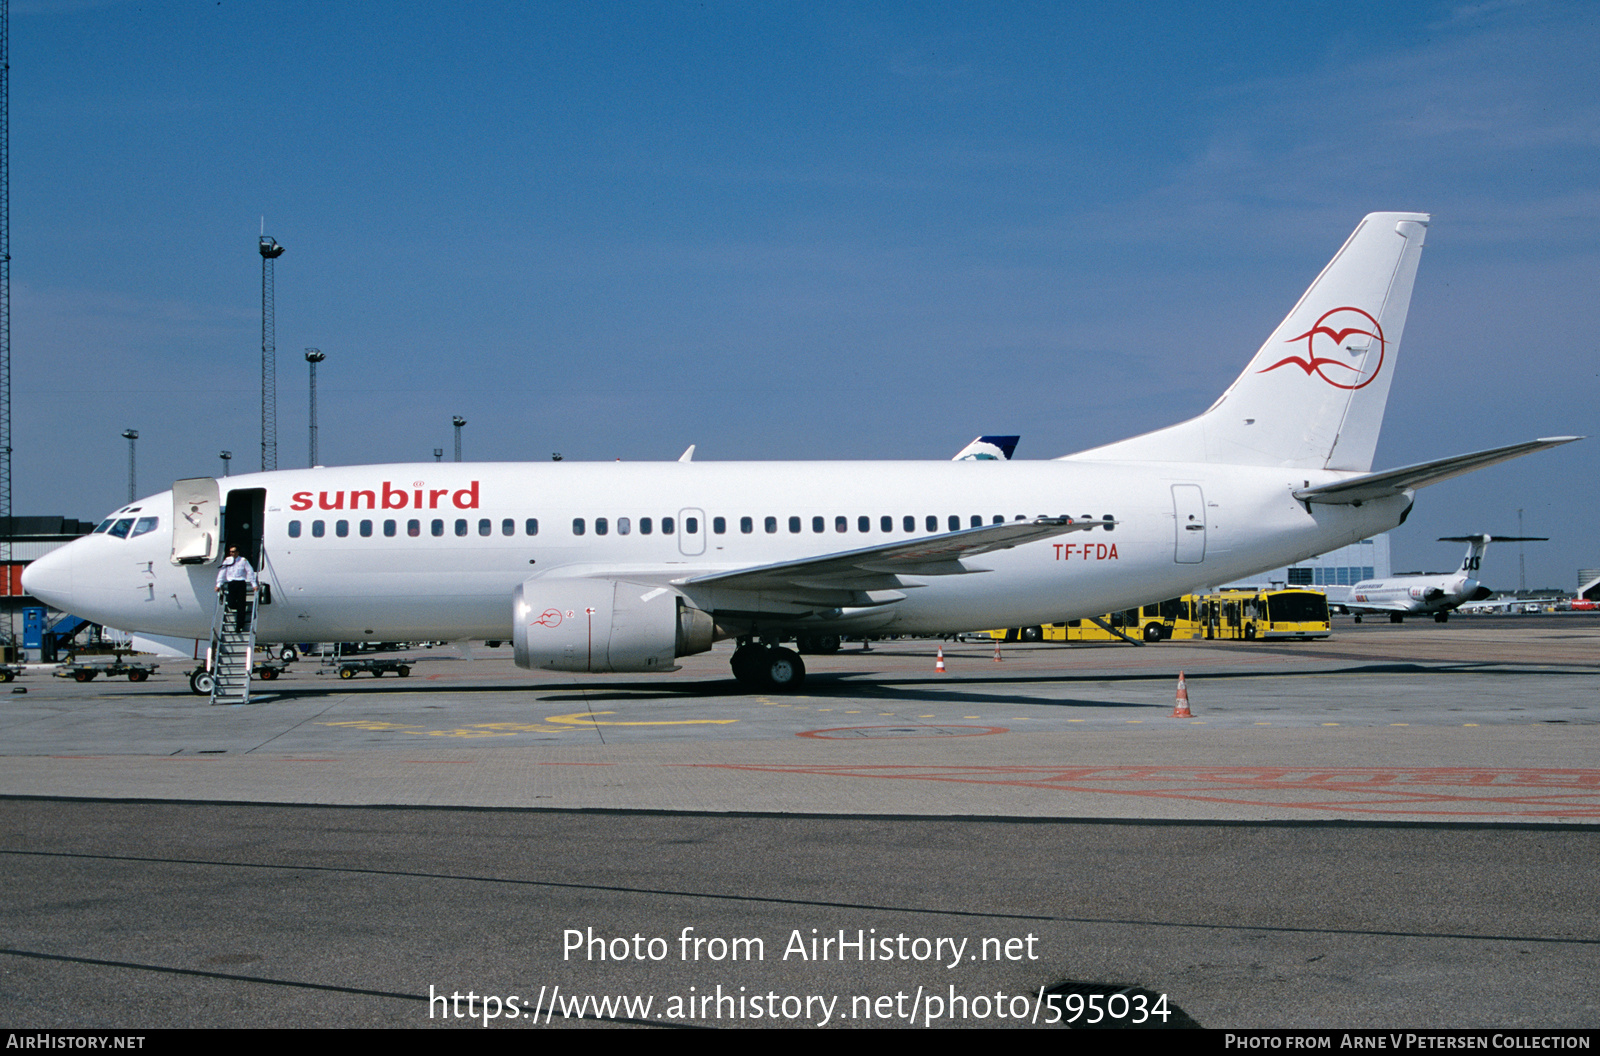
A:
(414, 528)
(531, 527)
(318, 529)
(601, 526)
(461, 526)
(770, 524)
(485, 527)
(668, 526)
(746, 525)
(719, 525)
(624, 526)
(645, 525)
(933, 523)
(577, 526)
(389, 528)
(294, 529)
(437, 527)
(886, 523)
(818, 524)
(366, 529)
(863, 524)
(508, 527)
(841, 524)
(341, 528)
(911, 524)
(691, 525)
(794, 525)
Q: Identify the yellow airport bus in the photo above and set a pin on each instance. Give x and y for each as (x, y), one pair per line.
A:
(1253, 615)
(1158, 621)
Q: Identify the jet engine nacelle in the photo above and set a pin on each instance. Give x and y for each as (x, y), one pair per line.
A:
(604, 625)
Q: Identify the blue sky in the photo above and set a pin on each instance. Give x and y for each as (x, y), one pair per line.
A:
(784, 230)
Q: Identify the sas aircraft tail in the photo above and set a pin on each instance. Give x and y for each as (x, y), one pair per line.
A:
(1313, 396)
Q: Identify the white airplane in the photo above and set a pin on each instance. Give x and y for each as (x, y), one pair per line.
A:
(616, 566)
(1402, 596)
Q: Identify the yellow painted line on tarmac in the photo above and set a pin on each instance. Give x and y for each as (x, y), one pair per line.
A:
(588, 718)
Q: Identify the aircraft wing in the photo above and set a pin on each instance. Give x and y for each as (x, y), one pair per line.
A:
(874, 567)
(1372, 486)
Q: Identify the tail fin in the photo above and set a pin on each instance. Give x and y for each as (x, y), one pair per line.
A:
(1477, 544)
(1313, 396)
(988, 449)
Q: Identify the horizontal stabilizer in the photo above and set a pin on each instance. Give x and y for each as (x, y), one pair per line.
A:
(1372, 486)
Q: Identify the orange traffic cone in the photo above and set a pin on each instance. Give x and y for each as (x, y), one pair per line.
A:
(938, 663)
(1182, 710)
(997, 650)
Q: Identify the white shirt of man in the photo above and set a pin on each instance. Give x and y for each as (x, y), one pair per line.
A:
(234, 569)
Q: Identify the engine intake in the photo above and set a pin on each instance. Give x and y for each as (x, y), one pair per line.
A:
(604, 625)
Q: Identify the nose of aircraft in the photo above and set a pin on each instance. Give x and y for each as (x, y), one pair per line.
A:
(49, 578)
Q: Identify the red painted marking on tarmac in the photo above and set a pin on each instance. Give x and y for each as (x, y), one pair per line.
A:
(1370, 790)
(576, 764)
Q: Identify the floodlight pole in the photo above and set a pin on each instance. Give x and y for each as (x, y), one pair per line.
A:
(313, 357)
(132, 436)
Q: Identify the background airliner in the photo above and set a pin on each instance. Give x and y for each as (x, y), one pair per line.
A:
(604, 567)
(1400, 596)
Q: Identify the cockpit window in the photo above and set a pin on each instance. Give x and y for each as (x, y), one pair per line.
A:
(145, 524)
(105, 524)
(120, 529)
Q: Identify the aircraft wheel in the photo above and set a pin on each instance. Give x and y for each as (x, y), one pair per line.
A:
(825, 643)
(347, 672)
(1152, 632)
(288, 654)
(783, 670)
(1441, 617)
(746, 662)
(138, 676)
(201, 682)
(804, 643)
(1032, 634)
(1358, 619)
(1395, 617)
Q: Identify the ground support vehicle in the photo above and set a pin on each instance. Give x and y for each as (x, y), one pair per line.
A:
(136, 672)
(376, 668)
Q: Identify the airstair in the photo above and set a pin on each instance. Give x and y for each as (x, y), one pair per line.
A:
(233, 647)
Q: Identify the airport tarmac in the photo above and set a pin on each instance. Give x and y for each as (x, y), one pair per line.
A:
(1390, 828)
(1473, 720)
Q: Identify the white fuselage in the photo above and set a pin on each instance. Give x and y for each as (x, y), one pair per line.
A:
(436, 551)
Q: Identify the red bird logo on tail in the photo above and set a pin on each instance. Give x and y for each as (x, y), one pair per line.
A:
(1338, 330)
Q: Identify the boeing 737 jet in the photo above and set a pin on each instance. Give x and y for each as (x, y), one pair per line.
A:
(1402, 596)
(609, 567)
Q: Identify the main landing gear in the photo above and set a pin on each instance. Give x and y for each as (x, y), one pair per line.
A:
(769, 667)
